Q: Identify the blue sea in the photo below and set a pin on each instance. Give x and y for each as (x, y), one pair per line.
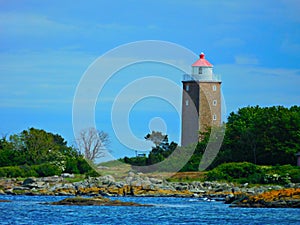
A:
(28, 210)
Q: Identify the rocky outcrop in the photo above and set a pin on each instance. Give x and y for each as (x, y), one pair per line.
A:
(284, 198)
(98, 201)
(135, 184)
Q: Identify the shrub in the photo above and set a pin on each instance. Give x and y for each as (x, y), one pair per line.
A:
(282, 174)
(72, 166)
(250, 173)
(295, 175)
(17, 171)
(28, 171)
(239, 172)
(83, 166)
(217, 175)
(92, 173)
(47, 169)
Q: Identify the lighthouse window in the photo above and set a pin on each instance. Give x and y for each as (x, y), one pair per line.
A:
(186, 102)
(214, 102)
(214, 88)
(214, 117)
(187, 88)
(200, 70)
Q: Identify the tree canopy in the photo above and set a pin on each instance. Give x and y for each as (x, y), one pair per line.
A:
(37, 147)
(259, 135)
(161, 150)
(262, 135)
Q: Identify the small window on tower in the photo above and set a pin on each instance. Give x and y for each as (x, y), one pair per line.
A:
(186, 102)
(214, 102)
(187, 88)
(214, 117)
(200, 70)
(214, 87)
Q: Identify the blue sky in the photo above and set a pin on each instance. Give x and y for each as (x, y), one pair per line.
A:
(46, 46)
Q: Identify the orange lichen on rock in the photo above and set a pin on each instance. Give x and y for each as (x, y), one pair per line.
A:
(284, 198)
(274, 195)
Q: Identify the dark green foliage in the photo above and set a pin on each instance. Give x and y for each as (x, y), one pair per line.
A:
(92, 173)
(35, 152)
(162, 149)
(264, 136)
(72, 166)
(14, 171)
(29, 171)
(83, 166)
(282, 174)
(236, 171)
(295, 175)
(246, 172)
(47, 169)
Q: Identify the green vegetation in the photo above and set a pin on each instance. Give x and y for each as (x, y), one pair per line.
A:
(259, 147)
(254, 136)
(263, 136)
(161, 150)
(36, 152)
(245, 172)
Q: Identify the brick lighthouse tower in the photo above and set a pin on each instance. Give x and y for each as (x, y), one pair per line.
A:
(201, 101)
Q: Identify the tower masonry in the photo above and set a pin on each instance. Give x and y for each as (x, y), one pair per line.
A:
(201, 101)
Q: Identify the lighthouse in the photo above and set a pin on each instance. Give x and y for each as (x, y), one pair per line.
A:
(201, 101)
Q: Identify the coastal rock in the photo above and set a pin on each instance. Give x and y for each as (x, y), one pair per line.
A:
(9, 191)
(67, 175)
(99, 201)
(107, 180)
(197, 191)
(284, 198)
(20, 188)
(131, 174)
(155, 181)
(29, 181)
(53, 179)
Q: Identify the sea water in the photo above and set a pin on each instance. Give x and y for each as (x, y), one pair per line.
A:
(165, 210)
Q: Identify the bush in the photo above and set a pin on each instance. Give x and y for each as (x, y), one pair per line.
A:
(83, 166)
(217, 175)
(250, 173)
(47, 169)
(72, 166)
(77, 166)
(28, 171)
(282, 174)
(295, 175)
(239, 172)
(17, 171)
(92, 173)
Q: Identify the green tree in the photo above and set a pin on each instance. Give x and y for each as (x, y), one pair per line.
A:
(268, 135)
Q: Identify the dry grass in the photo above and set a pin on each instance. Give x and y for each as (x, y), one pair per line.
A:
(120, 170)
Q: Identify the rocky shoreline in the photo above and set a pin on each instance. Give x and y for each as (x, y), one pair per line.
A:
(138, 184)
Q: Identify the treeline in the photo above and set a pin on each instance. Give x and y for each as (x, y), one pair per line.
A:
(259, 135)
(35, 152)
(263, 136)
(161, 150)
